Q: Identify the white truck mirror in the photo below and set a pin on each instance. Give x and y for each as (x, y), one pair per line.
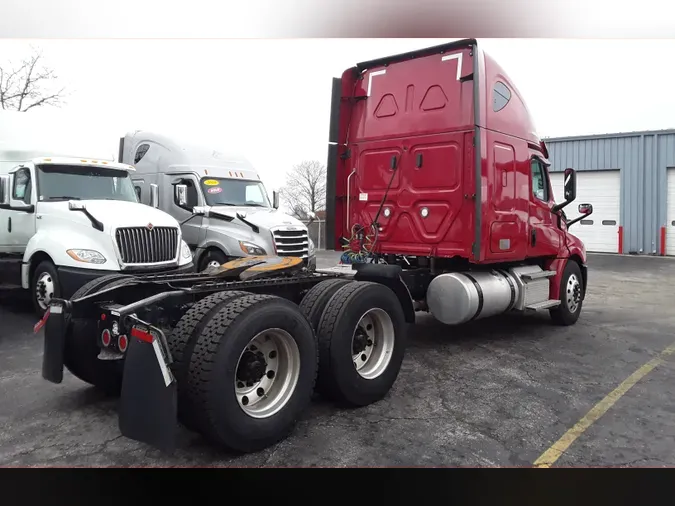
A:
(199, 210)
(4, 190)
(181, 194)
(275, 200)
(154, 195)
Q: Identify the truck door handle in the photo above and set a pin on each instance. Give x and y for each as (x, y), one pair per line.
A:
(533, 234)
(9, 225)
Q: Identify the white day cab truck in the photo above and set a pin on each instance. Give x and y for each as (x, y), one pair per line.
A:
(234, 217)
(66, 221)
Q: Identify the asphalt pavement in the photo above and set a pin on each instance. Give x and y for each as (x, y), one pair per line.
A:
(496, 392)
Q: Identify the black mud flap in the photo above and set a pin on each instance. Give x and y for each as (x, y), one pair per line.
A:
(148, 404)
(55, 322)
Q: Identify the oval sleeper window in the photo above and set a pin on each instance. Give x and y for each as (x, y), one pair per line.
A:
(586, 222)
(500, 96)
(609, 222)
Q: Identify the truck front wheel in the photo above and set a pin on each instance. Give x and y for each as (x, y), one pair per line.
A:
(252, 372)
(571, 296)
(44, 286)
(362, 335)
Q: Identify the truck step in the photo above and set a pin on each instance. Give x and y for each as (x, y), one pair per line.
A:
(538, 275)
(547, 304)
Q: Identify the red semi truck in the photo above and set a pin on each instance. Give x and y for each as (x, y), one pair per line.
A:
(439, 196)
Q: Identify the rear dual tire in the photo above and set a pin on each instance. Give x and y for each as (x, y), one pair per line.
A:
(81, 346)
(252, 372)
(361, 331)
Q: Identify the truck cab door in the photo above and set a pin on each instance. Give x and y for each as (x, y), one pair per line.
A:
(19, 220)
(192, 230)
(544, 237)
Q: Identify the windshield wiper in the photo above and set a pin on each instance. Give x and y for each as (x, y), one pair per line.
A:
(64, 197)
(255, 205)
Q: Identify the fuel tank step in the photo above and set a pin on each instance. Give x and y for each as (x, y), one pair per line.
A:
(547, 304)
(538, 275)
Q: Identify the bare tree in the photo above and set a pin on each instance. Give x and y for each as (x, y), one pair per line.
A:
(28, 84)
(305, 188)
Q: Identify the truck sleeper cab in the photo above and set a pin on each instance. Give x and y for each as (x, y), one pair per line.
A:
(67, 221)
(445, 208)
(178, 177)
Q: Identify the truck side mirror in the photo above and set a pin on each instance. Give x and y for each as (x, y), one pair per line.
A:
(570, 185)
(4, 190)
(181, 194)
(74, 205)
(569, 189)
(275, 200)
(154, 195)
(586, 209)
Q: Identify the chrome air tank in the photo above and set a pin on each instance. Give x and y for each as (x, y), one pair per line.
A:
(459, 297)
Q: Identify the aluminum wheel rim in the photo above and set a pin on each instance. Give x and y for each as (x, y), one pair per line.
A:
(573, 293)
(376, 327)
(44, 290)
(265, 396)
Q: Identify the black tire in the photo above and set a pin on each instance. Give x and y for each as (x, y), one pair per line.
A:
(563, 315)
(212, 255)
(315, 300)
(47, 268)
(182, 342)
(338, 378)
(81, 347)
(213, 368)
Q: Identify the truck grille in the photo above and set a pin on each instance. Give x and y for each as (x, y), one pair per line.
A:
(291, 243)
(140, 245)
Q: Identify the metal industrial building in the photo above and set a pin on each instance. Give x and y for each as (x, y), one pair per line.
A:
(630, 180)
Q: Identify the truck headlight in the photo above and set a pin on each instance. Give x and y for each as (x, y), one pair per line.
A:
(88, 256)
(251, 249)
(311, 247)
(185, 251)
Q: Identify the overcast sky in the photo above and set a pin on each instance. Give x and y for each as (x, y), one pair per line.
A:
(271, 98)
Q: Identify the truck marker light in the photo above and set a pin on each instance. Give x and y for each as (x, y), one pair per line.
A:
(141, 334)
(122, 343)
(387, 212)
(103, 317)
(424, 212)
(105, 337)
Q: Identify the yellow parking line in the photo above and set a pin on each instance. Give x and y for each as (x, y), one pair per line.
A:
(548, 458)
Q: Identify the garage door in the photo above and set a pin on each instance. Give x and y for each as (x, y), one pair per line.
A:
(670, 214)
(600, 232)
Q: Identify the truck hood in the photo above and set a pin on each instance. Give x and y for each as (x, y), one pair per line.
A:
(262, 217)
(112, 213)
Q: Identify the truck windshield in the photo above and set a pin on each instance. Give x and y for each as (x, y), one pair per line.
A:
(234, 192)
(76, 182)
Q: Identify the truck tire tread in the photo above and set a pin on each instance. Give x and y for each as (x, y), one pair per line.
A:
(236, 430)
(561, 315)
(315, 300)
(182, 342)
(337, 378)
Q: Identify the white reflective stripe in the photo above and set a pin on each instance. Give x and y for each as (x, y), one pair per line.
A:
(458, 57)
(370, 79)
(55, 309)
(160, 360)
